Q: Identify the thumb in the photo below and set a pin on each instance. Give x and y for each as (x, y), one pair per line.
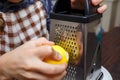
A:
(47, 51)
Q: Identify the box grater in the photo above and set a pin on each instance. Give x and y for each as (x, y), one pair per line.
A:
(78, 32)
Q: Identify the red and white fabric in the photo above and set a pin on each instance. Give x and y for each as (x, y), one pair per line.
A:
(22, 26)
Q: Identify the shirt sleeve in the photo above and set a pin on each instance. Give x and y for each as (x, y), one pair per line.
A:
(48, 7)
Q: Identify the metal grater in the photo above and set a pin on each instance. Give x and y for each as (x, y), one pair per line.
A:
(77, 32)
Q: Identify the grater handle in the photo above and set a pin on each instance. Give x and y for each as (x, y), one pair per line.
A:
(90, 8)
(62, 5)
(86, 9)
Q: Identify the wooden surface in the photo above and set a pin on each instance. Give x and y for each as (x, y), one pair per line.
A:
(111, 52)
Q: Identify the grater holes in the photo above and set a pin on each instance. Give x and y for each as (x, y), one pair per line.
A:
(66, 37)
(71, 72)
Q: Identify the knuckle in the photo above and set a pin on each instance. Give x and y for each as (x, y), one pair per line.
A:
(28, 66)
(43, 38)
(49, 50)
(28, 75)
(53, 70)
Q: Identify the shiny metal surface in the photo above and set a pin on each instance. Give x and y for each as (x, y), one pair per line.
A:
(83, 46)
(69, 36)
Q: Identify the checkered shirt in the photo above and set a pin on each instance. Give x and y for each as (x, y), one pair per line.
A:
(22, 26)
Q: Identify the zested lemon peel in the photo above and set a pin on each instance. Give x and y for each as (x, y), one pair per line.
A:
(64, 54)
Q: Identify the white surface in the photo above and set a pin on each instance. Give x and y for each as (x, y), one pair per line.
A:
(106, 74)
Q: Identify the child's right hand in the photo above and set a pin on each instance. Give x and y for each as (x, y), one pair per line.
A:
(26, 62)
(76, 4)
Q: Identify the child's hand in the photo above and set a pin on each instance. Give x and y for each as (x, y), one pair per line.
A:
(76, 4)
(27, 62)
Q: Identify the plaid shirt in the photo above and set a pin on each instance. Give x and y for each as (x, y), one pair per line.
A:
(6, 6)
(23, 25)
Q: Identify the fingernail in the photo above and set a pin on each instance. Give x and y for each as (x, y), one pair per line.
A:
(100, 10)
(59, 56)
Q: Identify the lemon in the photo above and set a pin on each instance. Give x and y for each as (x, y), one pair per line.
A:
(64, 54)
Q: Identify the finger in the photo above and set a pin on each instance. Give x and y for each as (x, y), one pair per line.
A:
(42, 41)
(96, 2)
(40, 76)
(45, 68)
(47, 51)
(51, 68)
(102, 8)
(37, 66)
(77, 4)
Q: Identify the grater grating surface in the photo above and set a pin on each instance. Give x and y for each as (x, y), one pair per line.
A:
(75, 31)
(77, 38)
(69, 36)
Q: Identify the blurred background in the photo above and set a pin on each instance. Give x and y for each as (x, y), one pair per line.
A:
(111, 17)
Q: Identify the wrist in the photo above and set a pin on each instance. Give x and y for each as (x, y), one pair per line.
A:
(3, 67)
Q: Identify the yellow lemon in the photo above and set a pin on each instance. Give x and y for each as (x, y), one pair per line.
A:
(64, 54)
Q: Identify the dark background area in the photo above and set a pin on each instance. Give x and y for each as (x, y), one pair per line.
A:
(111, 52)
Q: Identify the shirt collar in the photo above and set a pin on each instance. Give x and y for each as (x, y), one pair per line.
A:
(11, 7)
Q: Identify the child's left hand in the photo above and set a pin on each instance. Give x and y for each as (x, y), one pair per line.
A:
(77, 4)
